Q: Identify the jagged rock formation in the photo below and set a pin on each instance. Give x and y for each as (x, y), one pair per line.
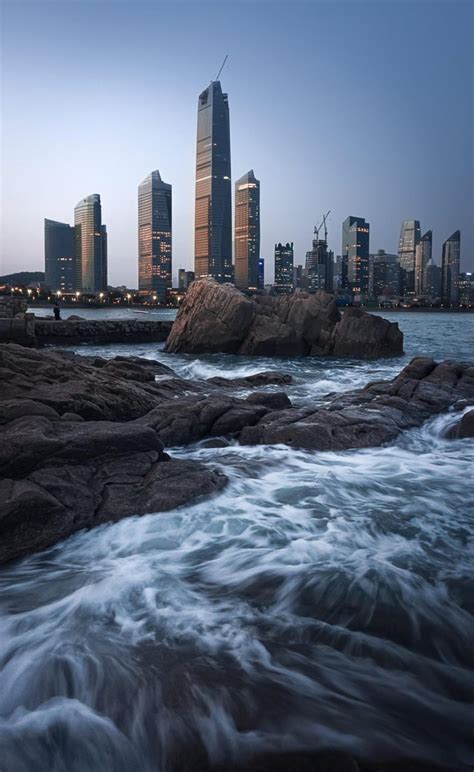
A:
(82, 438)
(219, 318)
(373, 415)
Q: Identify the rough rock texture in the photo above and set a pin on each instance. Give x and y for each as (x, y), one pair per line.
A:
(219, 318)
(373, 415)
(81, 440)
(464, 428)
(75, 330)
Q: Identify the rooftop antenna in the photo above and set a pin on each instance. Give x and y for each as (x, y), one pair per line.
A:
(222, 67)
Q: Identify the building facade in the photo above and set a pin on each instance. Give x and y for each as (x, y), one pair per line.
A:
(283, 268)
(355, 255)
(154, 237)
(466, 289)
(450, 262)
(386, 281)
(59, 263)
(261, 273)
(319, 267)
(213, 200)
(423, 254)
(410, 236)
(185, 278)
(247, 231)
(432, 281)
(90, 246)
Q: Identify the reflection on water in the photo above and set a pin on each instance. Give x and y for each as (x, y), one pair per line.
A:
(321, 600)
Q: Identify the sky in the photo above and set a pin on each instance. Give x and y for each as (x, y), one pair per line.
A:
(361, 108)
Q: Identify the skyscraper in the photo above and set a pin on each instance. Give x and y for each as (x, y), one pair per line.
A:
(410, 236)
(59, 265)
(432, 281)
(154, 236)
(261, 273)
(90, 245)
(319, 267)
(386, 275)
(213, 215)
(422, 258)
(283, 268)
(247, 231)
(355, 254)
(450, 260)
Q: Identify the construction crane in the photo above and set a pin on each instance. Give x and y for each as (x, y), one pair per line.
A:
(318, 228)
(222, 67)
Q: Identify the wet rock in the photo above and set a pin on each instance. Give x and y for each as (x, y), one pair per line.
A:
(267, 378)
(218, 318)
(370, 416)
(464, 428)
(275, 400)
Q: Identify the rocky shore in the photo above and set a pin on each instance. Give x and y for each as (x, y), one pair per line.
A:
(219, 318)
(82, 439)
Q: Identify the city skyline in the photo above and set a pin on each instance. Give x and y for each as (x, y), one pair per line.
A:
(291, 146)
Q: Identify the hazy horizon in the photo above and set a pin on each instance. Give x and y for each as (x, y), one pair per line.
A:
(359, 108)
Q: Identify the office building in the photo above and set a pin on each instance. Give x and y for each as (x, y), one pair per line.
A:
(466, 289)
(386, 281)
(410, 236)
(185, 278)
(213, 215)
(432, 281)
(154, 237)
(283, 268)
(355, 255)
(247, 231)
(90, 246)
(59, 265)
(450, 261)
(319, 267)
(423, 254)
(261, 273)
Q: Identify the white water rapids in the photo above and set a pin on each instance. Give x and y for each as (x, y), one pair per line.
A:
(322, 600)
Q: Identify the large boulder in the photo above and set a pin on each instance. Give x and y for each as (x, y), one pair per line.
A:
(219, 318)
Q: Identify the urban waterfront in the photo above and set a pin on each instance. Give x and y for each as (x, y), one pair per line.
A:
(322, 600)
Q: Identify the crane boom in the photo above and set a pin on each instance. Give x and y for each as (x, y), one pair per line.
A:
(222, 67)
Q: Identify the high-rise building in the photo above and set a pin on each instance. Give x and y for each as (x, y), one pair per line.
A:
(450, 261)
(185, 278)
(432, 281)
(283, 268)
(59, 266)
(90, 245)
(386, 275)
(466, 289)
(213, 214)
(299, 277)
(355, 253)
(410, 236)
(423, 253)
(319, 267)
(154, 236)
(247, 231)
(261, 273)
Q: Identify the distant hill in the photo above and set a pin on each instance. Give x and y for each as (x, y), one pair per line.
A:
(22, 278)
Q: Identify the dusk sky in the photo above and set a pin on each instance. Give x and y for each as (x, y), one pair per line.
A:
(361, 108)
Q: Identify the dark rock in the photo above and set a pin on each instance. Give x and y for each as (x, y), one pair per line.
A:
(275, 400)
(370, 416)
(218, 318)
(72, 417)
(464, 428)
(218, 442)
(267, 378)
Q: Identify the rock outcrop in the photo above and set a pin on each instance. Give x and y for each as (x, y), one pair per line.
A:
(219, 318)
(373, 415)
(463, 428)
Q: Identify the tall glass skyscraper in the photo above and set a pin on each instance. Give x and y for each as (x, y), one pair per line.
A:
(410, 236)
(355, 254)
(154, 236)
(247, 231)
(213, 205)
(319, 267)
(423, 253)
(450, 262)
(59, 266)
(283, 268)
(90, 245)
